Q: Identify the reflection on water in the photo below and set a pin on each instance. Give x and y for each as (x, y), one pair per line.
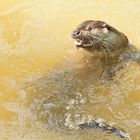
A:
(47, 86)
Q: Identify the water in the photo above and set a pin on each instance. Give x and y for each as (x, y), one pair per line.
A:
(47, 86)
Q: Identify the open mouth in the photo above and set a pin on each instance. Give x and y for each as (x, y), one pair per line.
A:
(78, 42)
(81, 44)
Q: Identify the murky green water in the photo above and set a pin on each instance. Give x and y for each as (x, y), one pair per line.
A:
(47, 86)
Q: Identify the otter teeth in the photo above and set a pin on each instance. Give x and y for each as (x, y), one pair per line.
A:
(78, 42)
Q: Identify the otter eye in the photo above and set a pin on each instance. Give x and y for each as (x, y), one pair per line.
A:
(76, 33)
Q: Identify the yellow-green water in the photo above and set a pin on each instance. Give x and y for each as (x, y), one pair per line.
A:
(37, 71)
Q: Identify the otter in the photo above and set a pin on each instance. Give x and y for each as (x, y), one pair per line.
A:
(60, 98)
(99, 36)
(108, 44)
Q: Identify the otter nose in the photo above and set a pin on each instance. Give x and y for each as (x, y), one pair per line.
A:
(76, 33)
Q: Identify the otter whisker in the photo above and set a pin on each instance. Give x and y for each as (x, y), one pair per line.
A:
(94, 42)
(104, 54)
(99, 38)
(108, 43)
(108, 51)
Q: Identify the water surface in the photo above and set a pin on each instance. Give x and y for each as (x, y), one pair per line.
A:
(47, 86)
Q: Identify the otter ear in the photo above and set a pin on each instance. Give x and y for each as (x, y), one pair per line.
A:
(107, 26)
(104, 25)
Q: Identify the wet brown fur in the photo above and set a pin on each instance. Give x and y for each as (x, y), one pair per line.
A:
(108, 42)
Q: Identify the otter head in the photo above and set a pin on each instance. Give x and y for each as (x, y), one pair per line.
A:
(97, 35)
